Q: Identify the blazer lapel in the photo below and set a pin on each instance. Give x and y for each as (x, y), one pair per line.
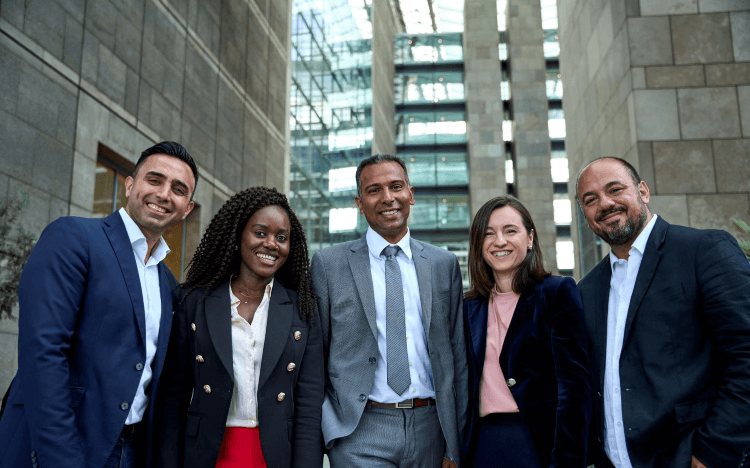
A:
(218, 312)
(424, 278)
(167, 309)
(115, 231)
(650, 260)
(524, 307)
(359, 262)
(280, 311)
(477, 322)
(602, 279)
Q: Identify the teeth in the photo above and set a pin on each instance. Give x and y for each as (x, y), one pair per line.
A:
(389, 212)
(266, 257)
(157, 208)
(502, 254)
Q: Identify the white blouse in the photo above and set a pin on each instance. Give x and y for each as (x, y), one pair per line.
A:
(247, 353)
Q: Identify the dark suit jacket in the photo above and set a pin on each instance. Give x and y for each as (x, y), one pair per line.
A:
(81, 335)
(343, 282)
(289, 429)
(685, 363)
(546, 352)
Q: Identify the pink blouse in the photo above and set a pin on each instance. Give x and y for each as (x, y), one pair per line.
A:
(494, 394)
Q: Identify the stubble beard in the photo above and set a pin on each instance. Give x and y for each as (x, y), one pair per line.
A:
(620, 235)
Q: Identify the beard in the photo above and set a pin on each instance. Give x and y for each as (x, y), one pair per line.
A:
(620, 235)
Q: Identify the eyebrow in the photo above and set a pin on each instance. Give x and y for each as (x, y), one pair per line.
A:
(266, 227)
(395, 181)
(606, 186)
(162, 176)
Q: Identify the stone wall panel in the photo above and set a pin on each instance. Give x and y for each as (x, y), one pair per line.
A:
(708, 113)
(701, 38)
(684, 167)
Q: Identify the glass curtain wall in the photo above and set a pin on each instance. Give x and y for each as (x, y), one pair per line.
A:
(331, 116)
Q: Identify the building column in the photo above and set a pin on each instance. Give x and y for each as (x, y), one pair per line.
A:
(528, 72)
(384, 29)
(484, 105)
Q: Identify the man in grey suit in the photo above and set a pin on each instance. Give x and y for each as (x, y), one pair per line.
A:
(390, 310)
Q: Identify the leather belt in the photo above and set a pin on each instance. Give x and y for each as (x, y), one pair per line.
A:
(406, 404)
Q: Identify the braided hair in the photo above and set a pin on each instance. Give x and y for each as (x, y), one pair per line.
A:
(218, 258)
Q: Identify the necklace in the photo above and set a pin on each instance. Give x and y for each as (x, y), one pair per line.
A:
(236, 289)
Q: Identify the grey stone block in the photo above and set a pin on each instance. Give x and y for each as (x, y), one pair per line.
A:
(4, 181)
(656, 115)
(201, 146)
(704, 38)
(646, 165)
(128, 42)
(73, 47)
(708, 113)
(111, 76)
(57, 208)
(46, 105)
(710, 6)
(101, 21)
(8, 356)
(144, 102)
(717, 211)
(255, 137)
(17, 143)
(165, 36)
(731, 174)
(121, 137)
(668, 7)
(173, 85)
(743, 93)
(650, 43)
(132, 10)
(728, 74)
(233, 38)
(90, 57)
(35, 217)
(675, 77)
(230, 121)
(263, 5)
(45, 23)
(206, 23)
(182, 7)
(684, 167)
(165, 118)
(53, 165)
(741, 35)
(10, 78)
(13, 11)
(672, 208)
(228, 169)
(153, 66)
(200, 74)
(277, 19)
(75, 8)
(131, 92)
(198, 109)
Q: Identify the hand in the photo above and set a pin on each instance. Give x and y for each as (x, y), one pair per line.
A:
(695, 464)
(450, 464)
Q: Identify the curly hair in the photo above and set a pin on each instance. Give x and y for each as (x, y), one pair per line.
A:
(218, 258)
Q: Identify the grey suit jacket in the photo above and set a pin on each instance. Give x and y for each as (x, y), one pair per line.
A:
(342, 281)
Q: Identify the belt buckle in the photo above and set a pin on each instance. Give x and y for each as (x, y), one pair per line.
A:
(406, 404)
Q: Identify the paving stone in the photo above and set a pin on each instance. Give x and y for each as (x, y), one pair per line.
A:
(675, 77)
(73, 47)
(731, 174)
(708, 113)
(741, 35)
(656, 115)
(53, 163)
(684, 167)
(649, 39)
(704, 38)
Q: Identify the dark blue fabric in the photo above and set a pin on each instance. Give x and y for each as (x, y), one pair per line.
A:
(685, 362)
(546, 353)
(123, 455)
(81, 329)
(503, 443)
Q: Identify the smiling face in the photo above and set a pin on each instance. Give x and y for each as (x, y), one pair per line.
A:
(506, 243)
(265, 242)
(386, 199)
(614, 206)
(159, 194)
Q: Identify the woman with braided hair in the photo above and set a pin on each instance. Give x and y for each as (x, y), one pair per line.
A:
(243, 379)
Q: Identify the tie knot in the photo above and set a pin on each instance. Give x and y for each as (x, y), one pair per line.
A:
(391, 250)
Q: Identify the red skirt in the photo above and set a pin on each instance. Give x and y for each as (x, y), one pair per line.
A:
(241, 449)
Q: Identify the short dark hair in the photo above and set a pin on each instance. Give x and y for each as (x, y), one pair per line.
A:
(379, 159)
(529, 272)
(170, 148)
(629, 167)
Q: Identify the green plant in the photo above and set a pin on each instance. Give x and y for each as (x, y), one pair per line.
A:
(745, 228)
(15, 247)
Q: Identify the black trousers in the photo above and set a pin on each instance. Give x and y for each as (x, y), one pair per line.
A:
(504, 442)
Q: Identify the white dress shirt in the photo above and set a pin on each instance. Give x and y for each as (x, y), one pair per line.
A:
(248, 340)
(420, 368)
(148, 274)
(624, 274)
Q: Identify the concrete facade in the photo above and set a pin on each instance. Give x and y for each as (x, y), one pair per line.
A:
(528, 74)
(666, 86)
(126, 74)
(484, 104)
(384, 29)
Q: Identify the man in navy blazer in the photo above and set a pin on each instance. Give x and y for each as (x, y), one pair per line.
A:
(668, 312)
(94, 321)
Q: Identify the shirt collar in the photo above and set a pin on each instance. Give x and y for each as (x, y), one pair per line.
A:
(640, 242)
(138, 240)
(234, 300)
(376, 243)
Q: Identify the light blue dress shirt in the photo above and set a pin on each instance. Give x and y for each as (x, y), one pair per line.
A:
(148, 274)
(420, 368)
(624, 274)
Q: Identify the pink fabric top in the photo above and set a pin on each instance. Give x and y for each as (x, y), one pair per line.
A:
(494, 394)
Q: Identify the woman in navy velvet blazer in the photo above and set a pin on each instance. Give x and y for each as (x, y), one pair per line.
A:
(543, 352)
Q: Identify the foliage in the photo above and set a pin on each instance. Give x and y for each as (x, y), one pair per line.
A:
(15, 247)
(745, 228)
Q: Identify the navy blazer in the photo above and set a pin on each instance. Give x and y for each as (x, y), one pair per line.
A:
(193, 420)
(81, 338)
(546, 352)
(685, 362)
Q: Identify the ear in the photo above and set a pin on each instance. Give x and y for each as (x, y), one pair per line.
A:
(644, 191)
(128, 185)
(190, 207)
(358, 201)
(411, 198)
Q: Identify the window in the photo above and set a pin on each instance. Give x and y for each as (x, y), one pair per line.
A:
(109, 196)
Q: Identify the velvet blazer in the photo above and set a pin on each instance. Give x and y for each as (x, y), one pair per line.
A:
(546, 354)
(194, 419)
